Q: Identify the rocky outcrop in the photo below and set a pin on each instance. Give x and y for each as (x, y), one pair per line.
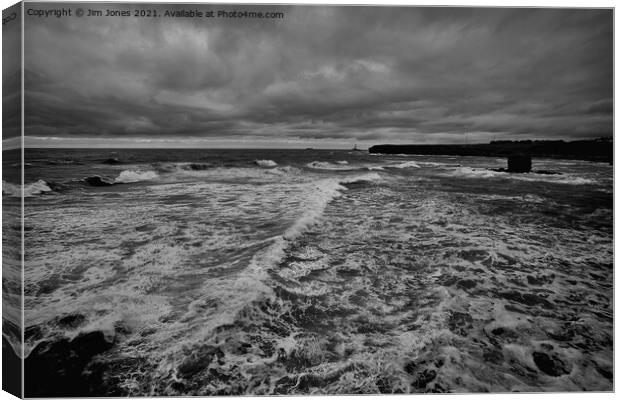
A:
(97, 181)
(594, 150)
(60, 366)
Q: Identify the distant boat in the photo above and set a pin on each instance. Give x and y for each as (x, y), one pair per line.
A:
(356, 149)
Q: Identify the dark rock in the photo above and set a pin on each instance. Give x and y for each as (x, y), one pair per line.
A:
(57, 187)
(598, 149)
(198, 167)
(550, 364)
(111, 161)
(86, 345)
(61, 366)
(98, 181)
(545, 172)
(519, 163)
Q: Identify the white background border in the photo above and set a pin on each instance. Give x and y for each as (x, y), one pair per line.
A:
(487, 3)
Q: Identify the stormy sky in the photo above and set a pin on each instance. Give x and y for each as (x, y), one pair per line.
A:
(321, 76)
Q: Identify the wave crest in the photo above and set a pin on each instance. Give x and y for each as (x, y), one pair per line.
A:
(321, 193)
(30, 189)
(406, 164)
(330, 166)
(566, 179)
(129, 176)
(370, 177)
(266, 163)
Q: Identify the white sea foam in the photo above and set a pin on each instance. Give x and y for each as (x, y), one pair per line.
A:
(567, 179)
(266, 163)
(330, 166)
(407, 164)
(286, 170)
(225, 298)
(370, 177)
(11, 189)
(37, 187)
(229, 173)
(477, 173)
(30, 189)
(321, 193)
(325, 191)
(129, 176)
(180, 288)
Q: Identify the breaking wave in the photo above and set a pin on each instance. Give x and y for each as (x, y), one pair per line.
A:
(371, 177)
(469, 172)
(321, 194)
(30, 189)
(129, 176)
(406, 164)
(330, 166)
(266, 163)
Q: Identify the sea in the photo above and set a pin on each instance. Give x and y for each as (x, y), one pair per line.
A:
(287, 272)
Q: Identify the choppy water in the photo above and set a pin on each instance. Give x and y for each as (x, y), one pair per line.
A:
(289, 272)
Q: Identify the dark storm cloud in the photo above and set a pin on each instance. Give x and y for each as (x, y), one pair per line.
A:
(360, 73)
(11, 73)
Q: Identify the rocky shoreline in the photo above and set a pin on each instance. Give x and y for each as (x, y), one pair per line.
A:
(592, 150)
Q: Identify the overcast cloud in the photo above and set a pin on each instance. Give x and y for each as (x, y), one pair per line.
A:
(325, 74)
